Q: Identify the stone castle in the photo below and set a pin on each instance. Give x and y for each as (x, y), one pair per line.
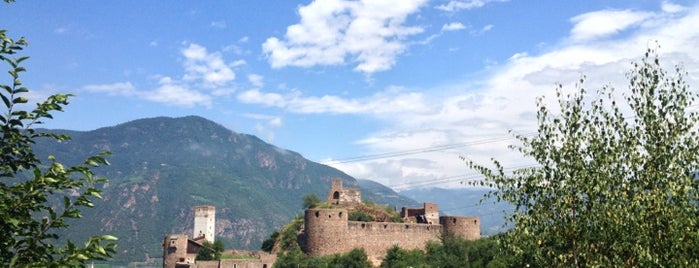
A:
(329, 231)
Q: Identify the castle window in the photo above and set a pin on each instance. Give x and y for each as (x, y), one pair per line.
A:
(336, 195)
(317, 214)
(363, 225)
(340, 214)
(454, 220)
(385, 226)
(407, 226)
(475, 221)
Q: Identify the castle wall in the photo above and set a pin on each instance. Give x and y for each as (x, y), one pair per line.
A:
(377, 237)
(327, 231)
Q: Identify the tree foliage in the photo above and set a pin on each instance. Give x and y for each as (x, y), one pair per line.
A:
(614, 186)
(310, 201)
(31, 224)
(450, 252)
(210, 251)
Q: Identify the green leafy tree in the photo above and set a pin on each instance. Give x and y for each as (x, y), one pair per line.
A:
(310, 201)
(210, 251)
(31, 224)
(356, 258)
(357, 215)
(614, 186)
(268, 244)
(397, 257)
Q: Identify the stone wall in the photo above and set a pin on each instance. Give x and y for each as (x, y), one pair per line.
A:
(466, 227)
(327, 231)
(343, 196)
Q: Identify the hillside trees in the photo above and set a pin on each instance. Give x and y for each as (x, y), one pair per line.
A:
(30, 224)
(614, 185)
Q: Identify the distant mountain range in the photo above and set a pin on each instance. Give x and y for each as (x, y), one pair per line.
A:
(466, 201)
(163, 167)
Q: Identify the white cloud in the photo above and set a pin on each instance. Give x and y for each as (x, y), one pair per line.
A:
(453, 26)
(256, 80)
(207, 67)
(333, 32)
(218, 24)
(604, 23)
(390, 101)
(206, 76)
(173, 93)
(671, 7)
(267, 126)
(475, 116)
(455, 5)
(121, 88)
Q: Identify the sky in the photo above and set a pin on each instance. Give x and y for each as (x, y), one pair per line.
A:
(395, 91)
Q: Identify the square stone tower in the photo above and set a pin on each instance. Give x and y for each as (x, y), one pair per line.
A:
(204, 222)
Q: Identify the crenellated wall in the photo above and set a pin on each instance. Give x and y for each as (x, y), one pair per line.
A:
(328, 231)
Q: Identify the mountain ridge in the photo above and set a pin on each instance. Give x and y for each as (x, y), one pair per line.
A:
(162, 167)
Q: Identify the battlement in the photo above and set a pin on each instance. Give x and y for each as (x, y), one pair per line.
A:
(328, 231)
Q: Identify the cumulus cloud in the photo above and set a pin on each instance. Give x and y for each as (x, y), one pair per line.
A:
(206, 76)
(173, 93)
(256, 80)
(604, 23)
(453, 26)
(120, 88)
(333, 32)
(390, 101)
(472, 118)
(455, 5)
(210, 68)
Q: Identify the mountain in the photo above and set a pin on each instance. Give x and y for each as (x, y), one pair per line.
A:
(162, 167)
(466, 202)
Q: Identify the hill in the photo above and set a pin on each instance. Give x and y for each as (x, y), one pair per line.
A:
(163, 167)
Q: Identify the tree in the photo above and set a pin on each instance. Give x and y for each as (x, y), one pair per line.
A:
(268, 244)
(614, 184)
(210, 251)
(31, 224)
(356, 258)
(397, 257)
(310, 201)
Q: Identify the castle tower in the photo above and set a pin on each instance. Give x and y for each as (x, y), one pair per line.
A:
(204, 222)
(325, 231)
(467, 227)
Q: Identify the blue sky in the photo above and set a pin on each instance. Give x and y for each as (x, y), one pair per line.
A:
(409, 86)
